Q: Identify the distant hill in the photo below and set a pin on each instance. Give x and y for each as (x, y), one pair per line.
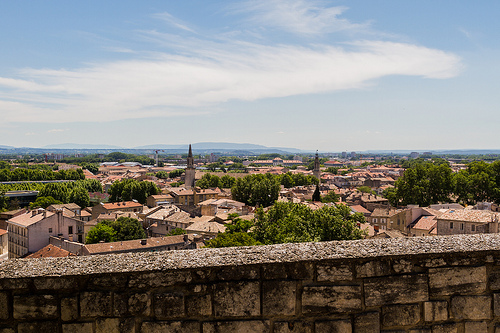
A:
(80, 146)
(206, 145)
(6, 147)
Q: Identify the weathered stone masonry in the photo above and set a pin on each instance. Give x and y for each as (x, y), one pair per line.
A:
(432, 284)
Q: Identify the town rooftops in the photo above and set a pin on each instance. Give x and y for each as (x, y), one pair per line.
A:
(132, 245)
(425, 223)
(30, 218)
(50, 251)
(121, 205)
(469, 215)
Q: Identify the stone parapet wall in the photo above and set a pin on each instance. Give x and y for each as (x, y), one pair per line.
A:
(431, 284)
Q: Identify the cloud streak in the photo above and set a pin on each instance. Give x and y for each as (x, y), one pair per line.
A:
(207, 72)
(298, 16)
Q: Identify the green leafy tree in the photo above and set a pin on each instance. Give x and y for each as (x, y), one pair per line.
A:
(126, 228)
(101, 232)
(287, 222)
(365, 189)
(227, 181)
(44, 202)
(177, 231)
(58, 191)
(231, 240)
(330, 197)
(162, 174)
(208, 180)
(131, 189)
(262, 190)
(80, 196)
(175, 173)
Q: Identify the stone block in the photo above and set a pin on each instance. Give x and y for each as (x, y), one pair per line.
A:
(494, 279)
(368, 322)
(274, 271)
(7, 330)
(457, 280)
(372, 268)
(301, 270)
(69, 308)
(95, 304)
(333, 326)
(333, 272)
(170, 326)
(475, 326)
(159, 279)
(77, 327)
(168, 305)
(4, 306)
(35, 307)
(420, 330)
(107, 281)
(279, 297)
(324, 299)
(401, 266)
(396, 290)
(247, 326)
(120, 304)
(115, 325)
(15, 284)
(496, 304)
(401, 315)
(38, 327)
(292, 327)
(471, 307)
(56, 283)
(247, 272)
(199, 305)
(446, 328)
(436, 311)
(139, 304)
(237, 299)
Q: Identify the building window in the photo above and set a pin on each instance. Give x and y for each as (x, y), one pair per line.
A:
(50, 230)
(70, 229)
(473, 227)
(374, 220)
(462, 226)
(451, 225)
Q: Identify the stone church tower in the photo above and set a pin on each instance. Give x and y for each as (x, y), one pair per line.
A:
(316, 171)
(190, 170)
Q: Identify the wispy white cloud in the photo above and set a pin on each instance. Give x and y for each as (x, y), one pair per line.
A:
(202, 72)
(297, 16)
(173, 21)
(56, 130)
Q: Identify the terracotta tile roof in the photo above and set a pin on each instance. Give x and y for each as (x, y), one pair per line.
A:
(425, 223)
(210, 227)
(29, 218)
(136, 244)
(469, 215)
(121, 205)
(3, 232)
(51, 251)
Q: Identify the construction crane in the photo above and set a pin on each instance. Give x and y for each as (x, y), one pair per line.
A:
(156, 151)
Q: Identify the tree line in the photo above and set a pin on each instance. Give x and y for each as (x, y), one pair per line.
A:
(24, 174)
(287, 222)
(429, 183)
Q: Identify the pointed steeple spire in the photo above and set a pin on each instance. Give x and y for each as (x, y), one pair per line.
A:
(190, 159)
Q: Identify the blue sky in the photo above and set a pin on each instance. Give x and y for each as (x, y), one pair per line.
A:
(329, 75)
